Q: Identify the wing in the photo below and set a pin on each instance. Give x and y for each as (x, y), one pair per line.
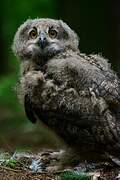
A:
(103, 82)
(29, 110)
(98, 75)
(70, 88)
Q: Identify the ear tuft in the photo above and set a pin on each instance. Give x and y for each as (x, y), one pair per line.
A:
(72, 35)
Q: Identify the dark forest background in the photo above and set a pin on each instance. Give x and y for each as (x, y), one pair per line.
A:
(98, 26)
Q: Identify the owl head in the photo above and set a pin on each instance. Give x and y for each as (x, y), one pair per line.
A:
(43, 38)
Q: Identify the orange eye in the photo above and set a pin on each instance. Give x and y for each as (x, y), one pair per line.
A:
(52, 34)
(33, 34)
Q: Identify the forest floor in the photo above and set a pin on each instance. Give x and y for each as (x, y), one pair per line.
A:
(22, 165)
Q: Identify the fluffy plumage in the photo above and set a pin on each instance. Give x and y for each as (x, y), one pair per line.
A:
(76, 95)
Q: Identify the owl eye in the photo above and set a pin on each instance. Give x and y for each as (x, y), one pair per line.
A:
(33, 33)
(52, 34)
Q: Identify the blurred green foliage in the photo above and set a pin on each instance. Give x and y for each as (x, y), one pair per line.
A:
(7, 92)
(14, 127)
(16, 13)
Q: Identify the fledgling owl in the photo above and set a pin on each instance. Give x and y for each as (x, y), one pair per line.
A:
(76, 95)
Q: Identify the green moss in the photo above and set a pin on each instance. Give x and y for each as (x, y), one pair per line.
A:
(11, 163)
(74, 176)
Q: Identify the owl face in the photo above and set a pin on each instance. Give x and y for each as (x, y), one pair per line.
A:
(43, 38)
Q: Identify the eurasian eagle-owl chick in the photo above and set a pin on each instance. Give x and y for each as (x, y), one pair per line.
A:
(76, 95)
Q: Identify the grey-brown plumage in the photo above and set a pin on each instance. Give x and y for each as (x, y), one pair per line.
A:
(76, 95)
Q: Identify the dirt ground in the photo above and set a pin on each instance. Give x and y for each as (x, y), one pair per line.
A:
(12, 174)
(30, 166)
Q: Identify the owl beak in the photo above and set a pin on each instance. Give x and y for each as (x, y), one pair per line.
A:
(42, 41)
